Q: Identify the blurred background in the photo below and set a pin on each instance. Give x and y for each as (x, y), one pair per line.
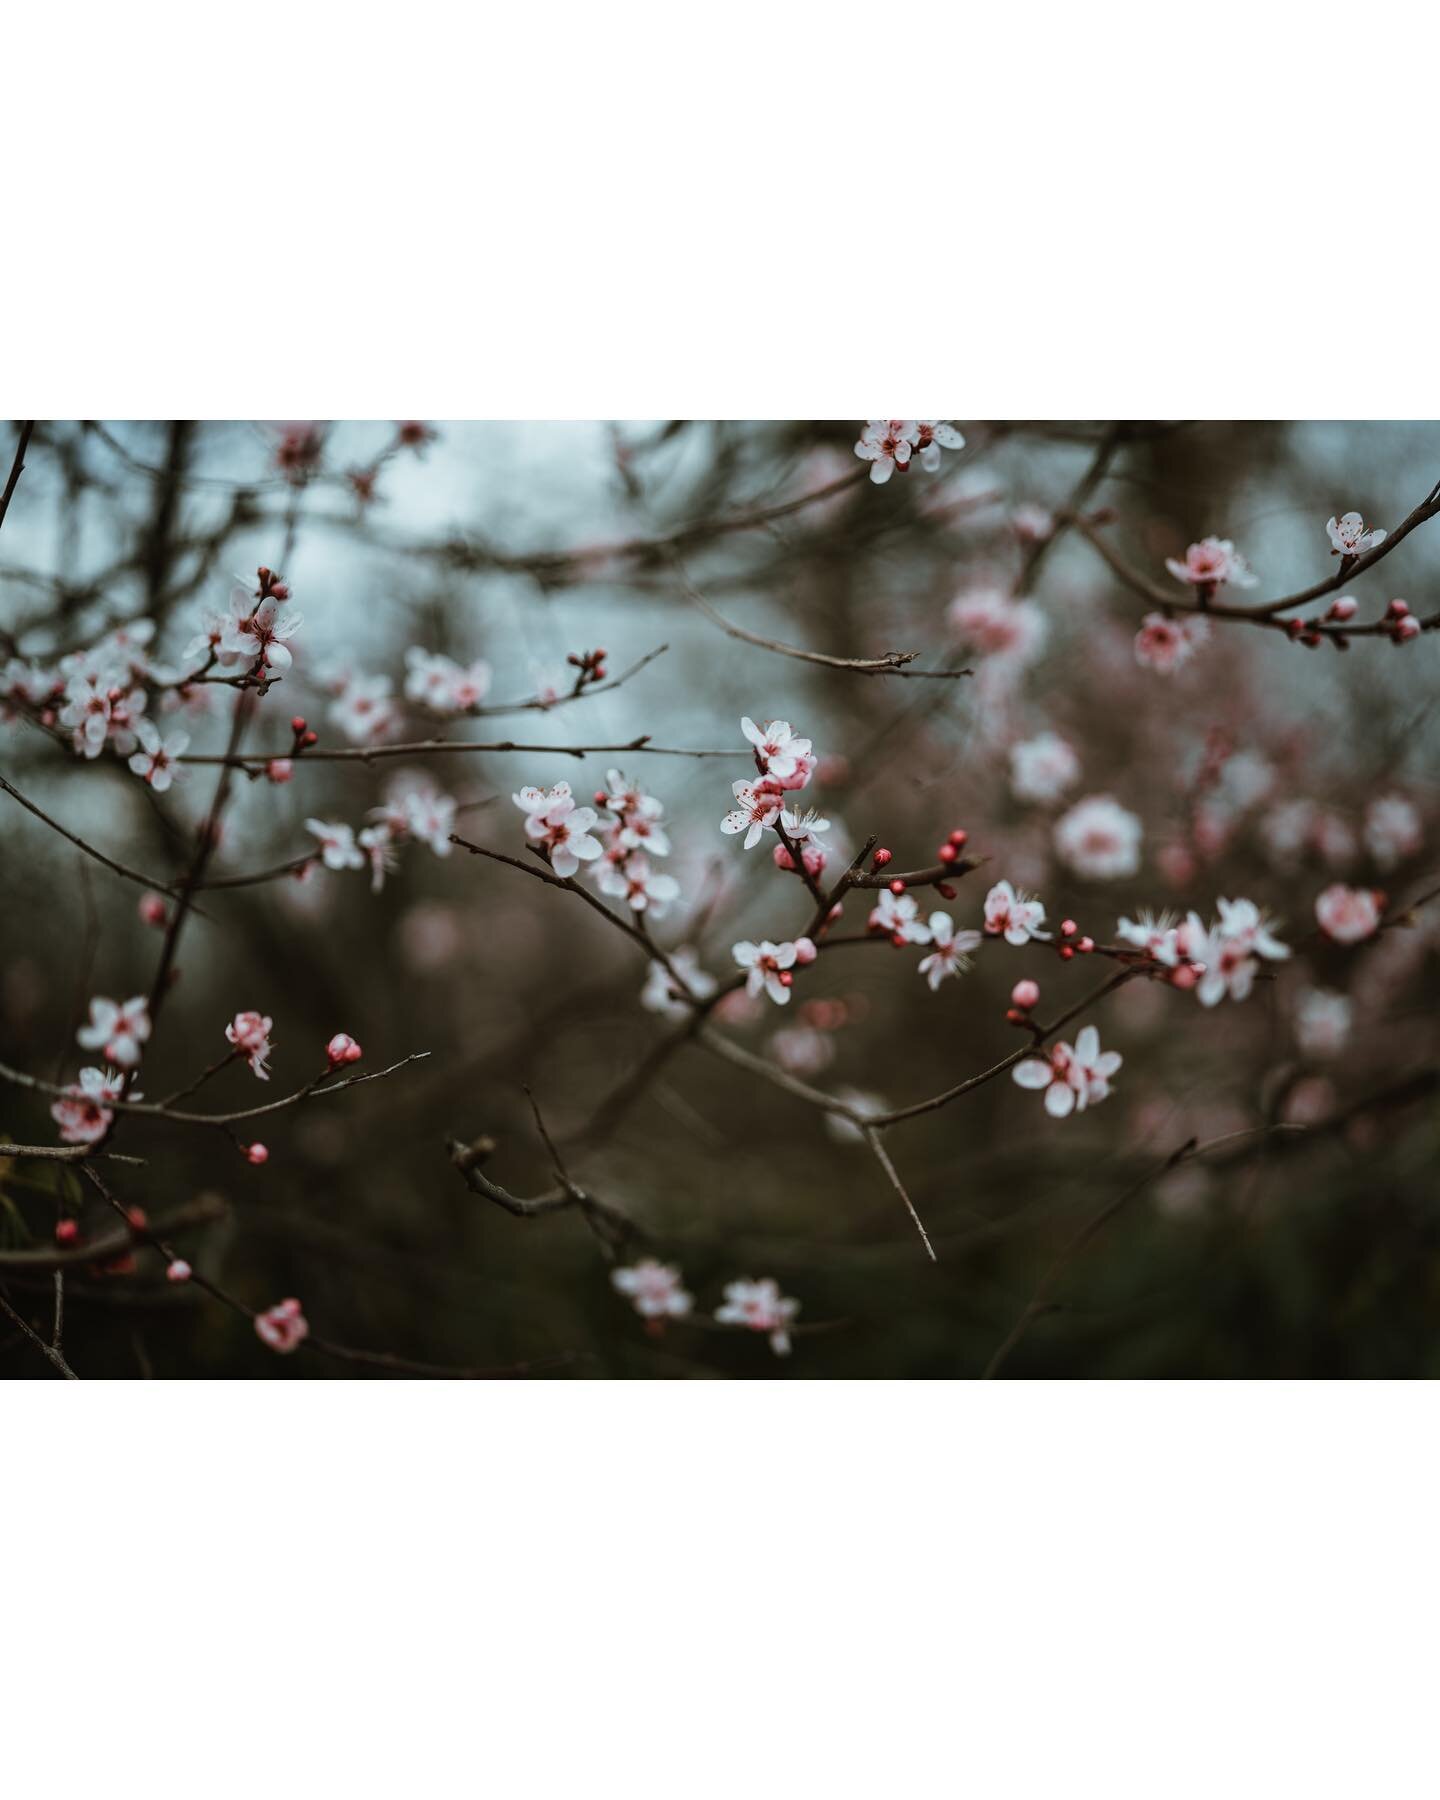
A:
(1260, 768)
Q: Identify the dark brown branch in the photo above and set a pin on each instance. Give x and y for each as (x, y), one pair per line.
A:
(17, 467)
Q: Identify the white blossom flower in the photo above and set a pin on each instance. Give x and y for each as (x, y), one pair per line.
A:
(758, 807)
(563, 831)
(157, 759)
(443, 684)
(1071, 1076)
(641, 888)
(1042, 768)
(1237, 941)
(1348, 915)
(1098, 839)
(364, 709)
(765, 965)
(656, 1290)
(116, 1029)
(1013, 915)
(257, 637)
(1166, 645)
(951, 955)
(249, 1032)
(283, 1328)
(778, 749)
(535, 800)
(898, 916)
(886, 444)
(759, 1306)
(931, 435)
(81, 1111)
(338, 849)
(1350, 536)
(1210, 563)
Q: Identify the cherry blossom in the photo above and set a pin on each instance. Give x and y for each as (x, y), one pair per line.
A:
(951, 955)
(342, 1048)
(1210, 563)
(1098, 839)
(639, 886)
(1238, 940)
(283, 1328)
(258, 637)
(338, 849)
(931, 436)
(1322, 1021)
(778, 750)
(416, 807)
(1166, 645)
(659, 994)
(1072, 1077)
(560, 828)
(157, 759)
(1348, 915)
(249, 1032)
(1393, 832)
(364, 709)
(656, 1290)
(898, 916)
(178, 1270)
(81, 1112)
(886, 444)
(1350, 536)
(117, 1029)
(1010, 631)
(759, 1306)
(758, 807)
(637, 816)
(443, 684)
(1013, 915)
(1042, 768)
(767, 967)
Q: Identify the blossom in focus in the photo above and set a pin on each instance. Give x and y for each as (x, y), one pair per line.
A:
(1348, 915)
(1350, 536)
(117, 1030)
(656, 1290)
(1098, 839)
(898, 916)
(886, 444)
(1072, 1077)
(256, 634)
(1238, 940)
(249, 1032)
(778, 749)
(283, 1328)
(536, 800)
(338, 849)
(81, 1111)
(157, 759)
(758, 806)
(1210, 563)
(1322, 1022)
(765, 963)
(562, 830)
(931, 436)
(951, 955)
(1013, 915)
(759, 1306)
(1166, 645)
(659, 993)
(1393, 831)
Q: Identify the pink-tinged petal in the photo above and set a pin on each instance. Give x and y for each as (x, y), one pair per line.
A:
(882, 470)
(756, 737)
(1087, 1044)
(1059, 1100)
(1031, 1074)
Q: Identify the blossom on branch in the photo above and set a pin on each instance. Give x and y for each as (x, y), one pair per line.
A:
(951, 955)
(81, 1111)
(249, 1032)
(1211, 563)
(1072, 1077)
(283, 1328)
(1238, 940)
(656, 1290)
(779, 751)
(1350, 536)
(1013, 915)
(887, 444)
(931, 436)
(157, 760)
(758, 807)
(759, 1306)
(1348, 915)
(117, 1030)
(767, 968)
(898, 916)
(338, 849)
(1166, 645)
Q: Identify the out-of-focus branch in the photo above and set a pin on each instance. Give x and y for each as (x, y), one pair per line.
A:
(17, 467)
(107, 862)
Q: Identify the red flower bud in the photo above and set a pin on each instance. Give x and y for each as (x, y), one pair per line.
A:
(66, 1231)
(897, 886)
(947, 853)
(881, 857)
(959, 839)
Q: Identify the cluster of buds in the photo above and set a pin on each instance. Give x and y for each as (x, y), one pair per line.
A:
(591, 664)
(342, 1049)
(1072, 943)
(1024, 998)
(1399, 624)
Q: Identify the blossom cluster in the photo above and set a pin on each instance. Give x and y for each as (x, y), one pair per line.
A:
(414, 807)
(889, 444)
(657, 1292)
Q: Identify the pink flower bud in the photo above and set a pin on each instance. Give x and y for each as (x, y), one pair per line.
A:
(897, 886)
(152, 910)
(1405, 629)
(257, 1154)
(1398, 609)
(66, 1231)
(179, 1270)
(1185, 977)
(279, 770)
(881, 857)
(1343, 608)
(342, 1048)
(1068, 928)
(805, 951)
(1026, 994)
